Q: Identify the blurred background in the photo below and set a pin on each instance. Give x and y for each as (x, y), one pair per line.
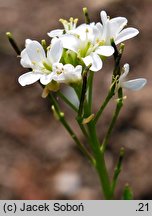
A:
(38, 159)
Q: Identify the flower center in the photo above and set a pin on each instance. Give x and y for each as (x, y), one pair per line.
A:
(58, 69)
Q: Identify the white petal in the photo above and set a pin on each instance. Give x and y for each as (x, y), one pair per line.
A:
(55, 53)
(126, 34)
(70, 74)
(77, 74)
(57, 67)
(125, 73)
(95, 60)
(70, 42)
(135, 84)
(55, 33)
(35, 52)
(54, 40)
(103, 16)
(45, 79)
(100, 28)
(27, 41)
(85, 32)
(116, 25)
(81, 29)
(25, 61)
(29, 78)
(106, 33)
(78, 69)
(92, 24)
(60, 78)
(105, 50)
(68, 67)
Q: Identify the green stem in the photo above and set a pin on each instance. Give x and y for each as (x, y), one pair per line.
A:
(117, 170)
(61, 118)
(116, 72)
(90, 88)
(113, 121)
(83, 92)
(13, 43)
(62, 96)
(117, 58)
(76, 110)
(82, 128)
(65, 99)
(100, 162)
(111, 93)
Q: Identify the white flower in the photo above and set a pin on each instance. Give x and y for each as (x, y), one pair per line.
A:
(135, 84)
(83, 42)
(41, 64)
(67, 73)
(113, 28)
(68, 27)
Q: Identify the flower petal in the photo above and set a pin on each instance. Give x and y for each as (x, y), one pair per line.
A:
(29, 78)
(95, 60)
(55, 53)
(135, 84)
(55, 33)
(45, 79)
(104, 17)
(27, 41)
(126, 34)
(25, 61)
(68, 67)
(125, 73)
(116, 25)
(105, 50)
(74, 75)
(99, 27)
(70, 42)
(70, 74)
(78, 69)
(85, 32)
(98, 30)
(35, 52)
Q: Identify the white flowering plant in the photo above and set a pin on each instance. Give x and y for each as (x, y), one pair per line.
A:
(73, 57)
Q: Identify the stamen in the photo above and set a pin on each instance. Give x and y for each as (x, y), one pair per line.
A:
(48, 67)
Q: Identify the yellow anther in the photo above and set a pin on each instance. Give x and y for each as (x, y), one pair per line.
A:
(76, 20)
(101, 43)
(71, 19)
(38, 50)
(33, 62)
(48, 48)
(87, 30)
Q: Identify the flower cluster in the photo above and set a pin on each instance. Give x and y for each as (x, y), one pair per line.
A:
(73, 56)
(74, 48)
